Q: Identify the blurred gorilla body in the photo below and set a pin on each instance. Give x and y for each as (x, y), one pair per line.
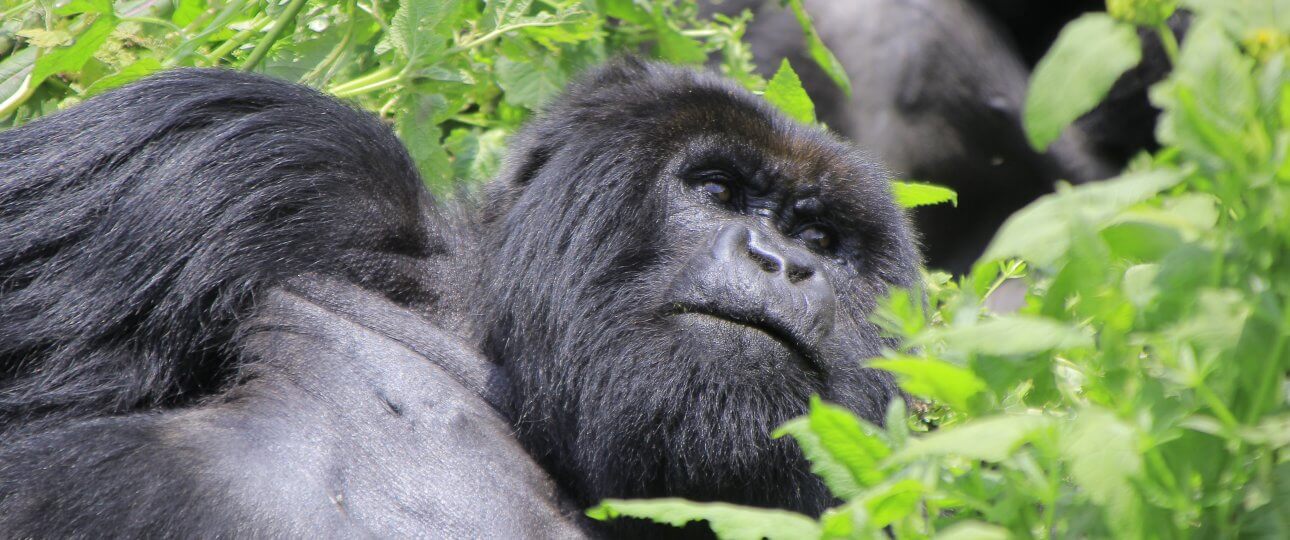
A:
(939, 90)
(232, 308)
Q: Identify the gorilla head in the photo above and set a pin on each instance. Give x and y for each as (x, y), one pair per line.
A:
(675, 268)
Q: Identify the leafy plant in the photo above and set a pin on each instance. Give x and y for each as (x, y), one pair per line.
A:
(1140, 390)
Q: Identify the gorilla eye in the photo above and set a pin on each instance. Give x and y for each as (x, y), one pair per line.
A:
(718, 190)
(817, 237)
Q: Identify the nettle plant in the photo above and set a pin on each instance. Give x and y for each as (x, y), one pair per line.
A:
(1141, 388)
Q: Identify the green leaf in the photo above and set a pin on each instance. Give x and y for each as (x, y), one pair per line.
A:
(817, 50)
(530, 83)
(1009, 335)
(1104, 460)
(72, 57)
(785, 91)
(728, 521)
(915, 194)
(1076, 73)
(415, 29)
(14, 70)
(1041, 232)
(893, 502)
(135, 71)
(987, 439)
(676, 47)
(1210, 99)
(973, 530)
(934, 379)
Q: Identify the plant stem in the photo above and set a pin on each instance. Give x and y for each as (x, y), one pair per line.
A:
(237, 40)
(274, 33)
(1169, 41)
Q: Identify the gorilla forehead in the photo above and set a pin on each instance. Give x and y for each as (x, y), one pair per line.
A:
(652, 119)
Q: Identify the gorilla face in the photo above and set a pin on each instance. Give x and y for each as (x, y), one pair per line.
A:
(676, 269)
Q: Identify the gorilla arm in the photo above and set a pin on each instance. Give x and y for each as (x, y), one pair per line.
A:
(355, 417)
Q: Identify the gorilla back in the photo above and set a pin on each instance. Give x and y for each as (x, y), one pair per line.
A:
(231, 307)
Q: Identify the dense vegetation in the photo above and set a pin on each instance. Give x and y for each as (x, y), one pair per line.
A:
(1140, 389)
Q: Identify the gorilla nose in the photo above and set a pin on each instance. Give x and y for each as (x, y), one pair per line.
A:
(740, 249)
(750, 276)
(771, 259)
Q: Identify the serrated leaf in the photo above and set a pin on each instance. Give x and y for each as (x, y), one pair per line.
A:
(530, 83)
(841, 450)
(72, 57)
(1104, 459)
(39, 37)
(1009, 335)
(934, 379)
(915, 194)
(415, 28)
(987, 439)
(728, 521)
(1041, 232)
(1209, 99)
(676, 47)
(817, 50)
(1076, 73)
(785, 91)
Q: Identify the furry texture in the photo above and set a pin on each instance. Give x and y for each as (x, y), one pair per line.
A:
(141, 231)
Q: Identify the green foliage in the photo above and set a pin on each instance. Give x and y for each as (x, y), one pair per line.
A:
(455, 77)
(1088, 56)
(785, 91)
(915, 194)
(1140, 388)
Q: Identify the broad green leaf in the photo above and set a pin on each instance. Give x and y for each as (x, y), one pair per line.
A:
(843, 437)
(1009, 335)
(934, 379)
(835, 474)
(1076, 73)
(415, 28)
(186, 11)
(676, 47)
(14, 70)
(1104, 459)
(816, 48)
(1041, 232)
(530, 83)
(785, 91)
(988, 439)
(70, 58)
(973, 530)
(915, 194)
(1210, 100)
(892, 502)
(137, 70)
(728, 521)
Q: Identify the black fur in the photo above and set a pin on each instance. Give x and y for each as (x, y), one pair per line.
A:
(184, 349)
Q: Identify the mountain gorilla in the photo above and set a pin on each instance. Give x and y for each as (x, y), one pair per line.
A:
(230, 307)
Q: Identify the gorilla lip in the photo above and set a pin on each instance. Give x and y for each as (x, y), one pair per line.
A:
(767, 326)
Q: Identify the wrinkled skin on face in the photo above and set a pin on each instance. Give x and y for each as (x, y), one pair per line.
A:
(676, 268)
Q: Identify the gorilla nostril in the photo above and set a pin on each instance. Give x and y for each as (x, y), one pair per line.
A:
(798, 273)
(768, 261)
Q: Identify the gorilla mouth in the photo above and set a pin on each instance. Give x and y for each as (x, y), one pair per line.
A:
(766, 326)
